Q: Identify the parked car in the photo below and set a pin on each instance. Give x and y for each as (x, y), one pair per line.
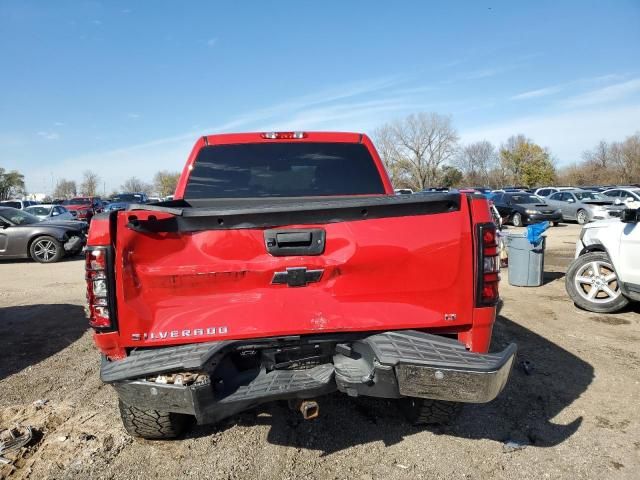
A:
(23, 235)
(50, 212)
(83, 208)
(19, 204)
(244, 295)
(122, 201)
(594, 188)
(521, 208)
(630, 197)
(546, 191)
(581, 205)
(605, 274)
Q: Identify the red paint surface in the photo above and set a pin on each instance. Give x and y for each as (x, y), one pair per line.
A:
(379, 274)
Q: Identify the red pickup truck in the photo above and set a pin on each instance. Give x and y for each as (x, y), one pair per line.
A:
(285, 268)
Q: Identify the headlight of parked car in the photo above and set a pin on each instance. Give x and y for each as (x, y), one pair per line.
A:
(532, 212)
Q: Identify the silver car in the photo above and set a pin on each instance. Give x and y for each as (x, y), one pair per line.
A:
(52, 213)
(581, 205)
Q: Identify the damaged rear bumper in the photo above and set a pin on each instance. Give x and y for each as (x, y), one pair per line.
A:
(386, 365)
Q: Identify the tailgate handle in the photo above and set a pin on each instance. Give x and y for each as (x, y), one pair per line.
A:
(280, 242)
(297, 239)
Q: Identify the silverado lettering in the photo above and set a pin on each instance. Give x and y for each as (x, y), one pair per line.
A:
(332, 283)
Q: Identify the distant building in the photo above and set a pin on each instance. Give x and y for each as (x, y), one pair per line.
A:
(37, 197)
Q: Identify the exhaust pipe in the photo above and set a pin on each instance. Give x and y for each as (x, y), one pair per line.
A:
(309, 409)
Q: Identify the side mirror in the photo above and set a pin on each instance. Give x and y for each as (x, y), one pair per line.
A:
(617, 201)
(629, 199)
(571, 200)
(631, 215)
(4, 224)
(54, 214)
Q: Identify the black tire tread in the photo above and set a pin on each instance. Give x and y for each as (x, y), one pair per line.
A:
(151, 424)
(424, 411)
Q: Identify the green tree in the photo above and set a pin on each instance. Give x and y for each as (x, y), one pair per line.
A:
(165, 182)
(526, 162)
(11, 184)
(450, 176)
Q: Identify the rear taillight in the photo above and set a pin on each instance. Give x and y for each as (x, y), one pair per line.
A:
(488, 265)
(96, 266)
(283, 135)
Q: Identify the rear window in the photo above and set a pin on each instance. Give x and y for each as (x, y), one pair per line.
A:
(11, 204)
(283, 170)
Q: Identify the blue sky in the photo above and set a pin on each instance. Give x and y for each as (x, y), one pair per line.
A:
(125, 88)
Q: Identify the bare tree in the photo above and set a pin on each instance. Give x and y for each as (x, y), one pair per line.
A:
(89, 185)
(135, 185)
(165, 182)
(65, 189)
(599, 156)
(477, 161)
(414, 149)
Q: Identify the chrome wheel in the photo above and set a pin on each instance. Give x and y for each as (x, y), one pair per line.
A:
(597, 282)
(582, 217)
(516, 220)
(45, 250)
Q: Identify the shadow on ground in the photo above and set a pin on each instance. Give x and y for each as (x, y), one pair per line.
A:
(549, 277)
(523, 412)
(32, 333)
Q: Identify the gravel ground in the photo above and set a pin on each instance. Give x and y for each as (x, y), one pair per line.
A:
(575, 412)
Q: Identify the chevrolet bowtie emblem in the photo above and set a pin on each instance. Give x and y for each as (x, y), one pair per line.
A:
(297, 277)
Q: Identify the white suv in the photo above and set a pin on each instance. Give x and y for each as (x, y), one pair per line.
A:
(605, 274)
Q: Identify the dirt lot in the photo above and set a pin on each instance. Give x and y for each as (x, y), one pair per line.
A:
(576, 411)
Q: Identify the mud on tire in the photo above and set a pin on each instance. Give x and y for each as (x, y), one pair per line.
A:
(152, 424)
(424, 411)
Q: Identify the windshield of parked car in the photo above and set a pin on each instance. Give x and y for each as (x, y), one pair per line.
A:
(77, 201)
(283, 170)
(11, 204)
(588, 196)
(17, 217)
(126, 198)
(525, 199)
(39, 211)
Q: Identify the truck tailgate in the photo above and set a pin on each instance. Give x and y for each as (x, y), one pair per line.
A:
(387, 273)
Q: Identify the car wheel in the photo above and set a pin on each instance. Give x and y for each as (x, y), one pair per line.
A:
(516, 220)
(555, 224)
(593, 285)
(46, 250)
(582, 217)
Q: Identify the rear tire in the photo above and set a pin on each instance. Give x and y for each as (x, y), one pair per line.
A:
(152, 424)
(555, 224)
(46, 249)
(516, 220)
(425, 411)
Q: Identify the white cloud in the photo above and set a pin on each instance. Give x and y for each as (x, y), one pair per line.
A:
(541, 92)
(607, 94)
(307, 111)
(212, 42)
(58, 124)
(49, 135)
(133, 115)
(567, 134)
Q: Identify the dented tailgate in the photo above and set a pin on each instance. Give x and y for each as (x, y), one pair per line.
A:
(387, 273)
